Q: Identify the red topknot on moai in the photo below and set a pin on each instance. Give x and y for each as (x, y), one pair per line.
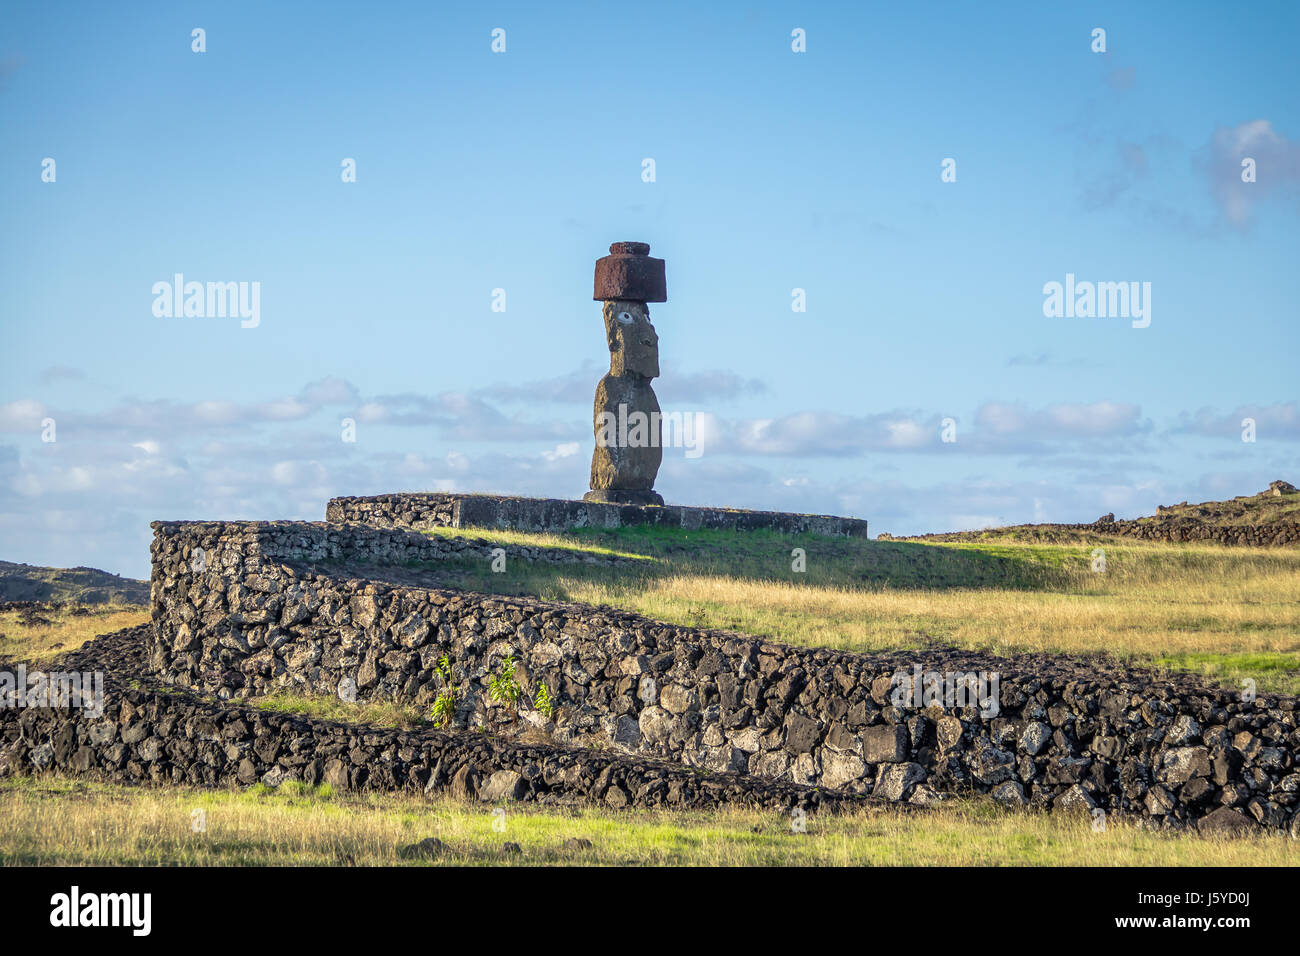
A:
(626, 413)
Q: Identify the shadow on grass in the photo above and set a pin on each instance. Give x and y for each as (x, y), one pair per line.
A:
(849, 563)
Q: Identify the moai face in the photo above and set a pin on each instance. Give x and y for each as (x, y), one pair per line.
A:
(633, 341)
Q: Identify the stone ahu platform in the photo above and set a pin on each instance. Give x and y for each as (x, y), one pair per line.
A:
(419, 510)
(359, 612)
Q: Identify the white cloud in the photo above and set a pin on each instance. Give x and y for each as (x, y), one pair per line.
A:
(999, 428)
(564, 450)
(283, 410)
(1097, 418)
(1280, 420)
(1061, 421)
(823, 434)
(298, 473)
(329, 391)
(216, 412)
(908, 434)
(22, 415)
(1277, 163)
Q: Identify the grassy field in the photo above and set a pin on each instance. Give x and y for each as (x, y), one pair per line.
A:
(57, 821)
(42, 634)
(1225, 613)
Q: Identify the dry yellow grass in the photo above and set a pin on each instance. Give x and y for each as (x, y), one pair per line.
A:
(1225, 612)
(1175, 616)
(52, 821)
(66, 631)
(378, 713)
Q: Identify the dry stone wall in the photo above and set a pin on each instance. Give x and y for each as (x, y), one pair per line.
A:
(225, 544)
(1269, 535)
(422, 510)
(1059, 735)
(148, 736)
(1274, 534)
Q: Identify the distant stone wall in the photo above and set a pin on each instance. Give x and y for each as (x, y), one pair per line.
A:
(1269, 535)
(1257, 535)
(1062, 736)
(430, 509)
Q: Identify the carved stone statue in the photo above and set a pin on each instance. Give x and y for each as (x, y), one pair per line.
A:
(626, 412)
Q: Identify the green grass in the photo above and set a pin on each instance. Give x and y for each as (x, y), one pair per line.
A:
(557, 542)
(330, 707)
(848, 562)
(1233, 668)
(54, 821)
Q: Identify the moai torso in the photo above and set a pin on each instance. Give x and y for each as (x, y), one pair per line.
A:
(625, 414)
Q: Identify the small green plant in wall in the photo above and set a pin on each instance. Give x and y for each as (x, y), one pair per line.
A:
(544, 702)
(502, 687)
(444, 706)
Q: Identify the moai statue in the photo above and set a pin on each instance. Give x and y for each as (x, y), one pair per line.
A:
(626, 412)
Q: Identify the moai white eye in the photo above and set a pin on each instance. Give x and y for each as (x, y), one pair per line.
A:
(626, 318)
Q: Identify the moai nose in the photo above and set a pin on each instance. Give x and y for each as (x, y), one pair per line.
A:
(630, 272)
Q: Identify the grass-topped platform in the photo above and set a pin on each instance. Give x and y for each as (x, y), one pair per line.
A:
(1227, 613)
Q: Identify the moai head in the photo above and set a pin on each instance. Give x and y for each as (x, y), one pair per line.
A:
(626, 280)
(633, 341)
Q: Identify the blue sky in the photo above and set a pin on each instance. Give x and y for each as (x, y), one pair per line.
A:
(775, 170)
